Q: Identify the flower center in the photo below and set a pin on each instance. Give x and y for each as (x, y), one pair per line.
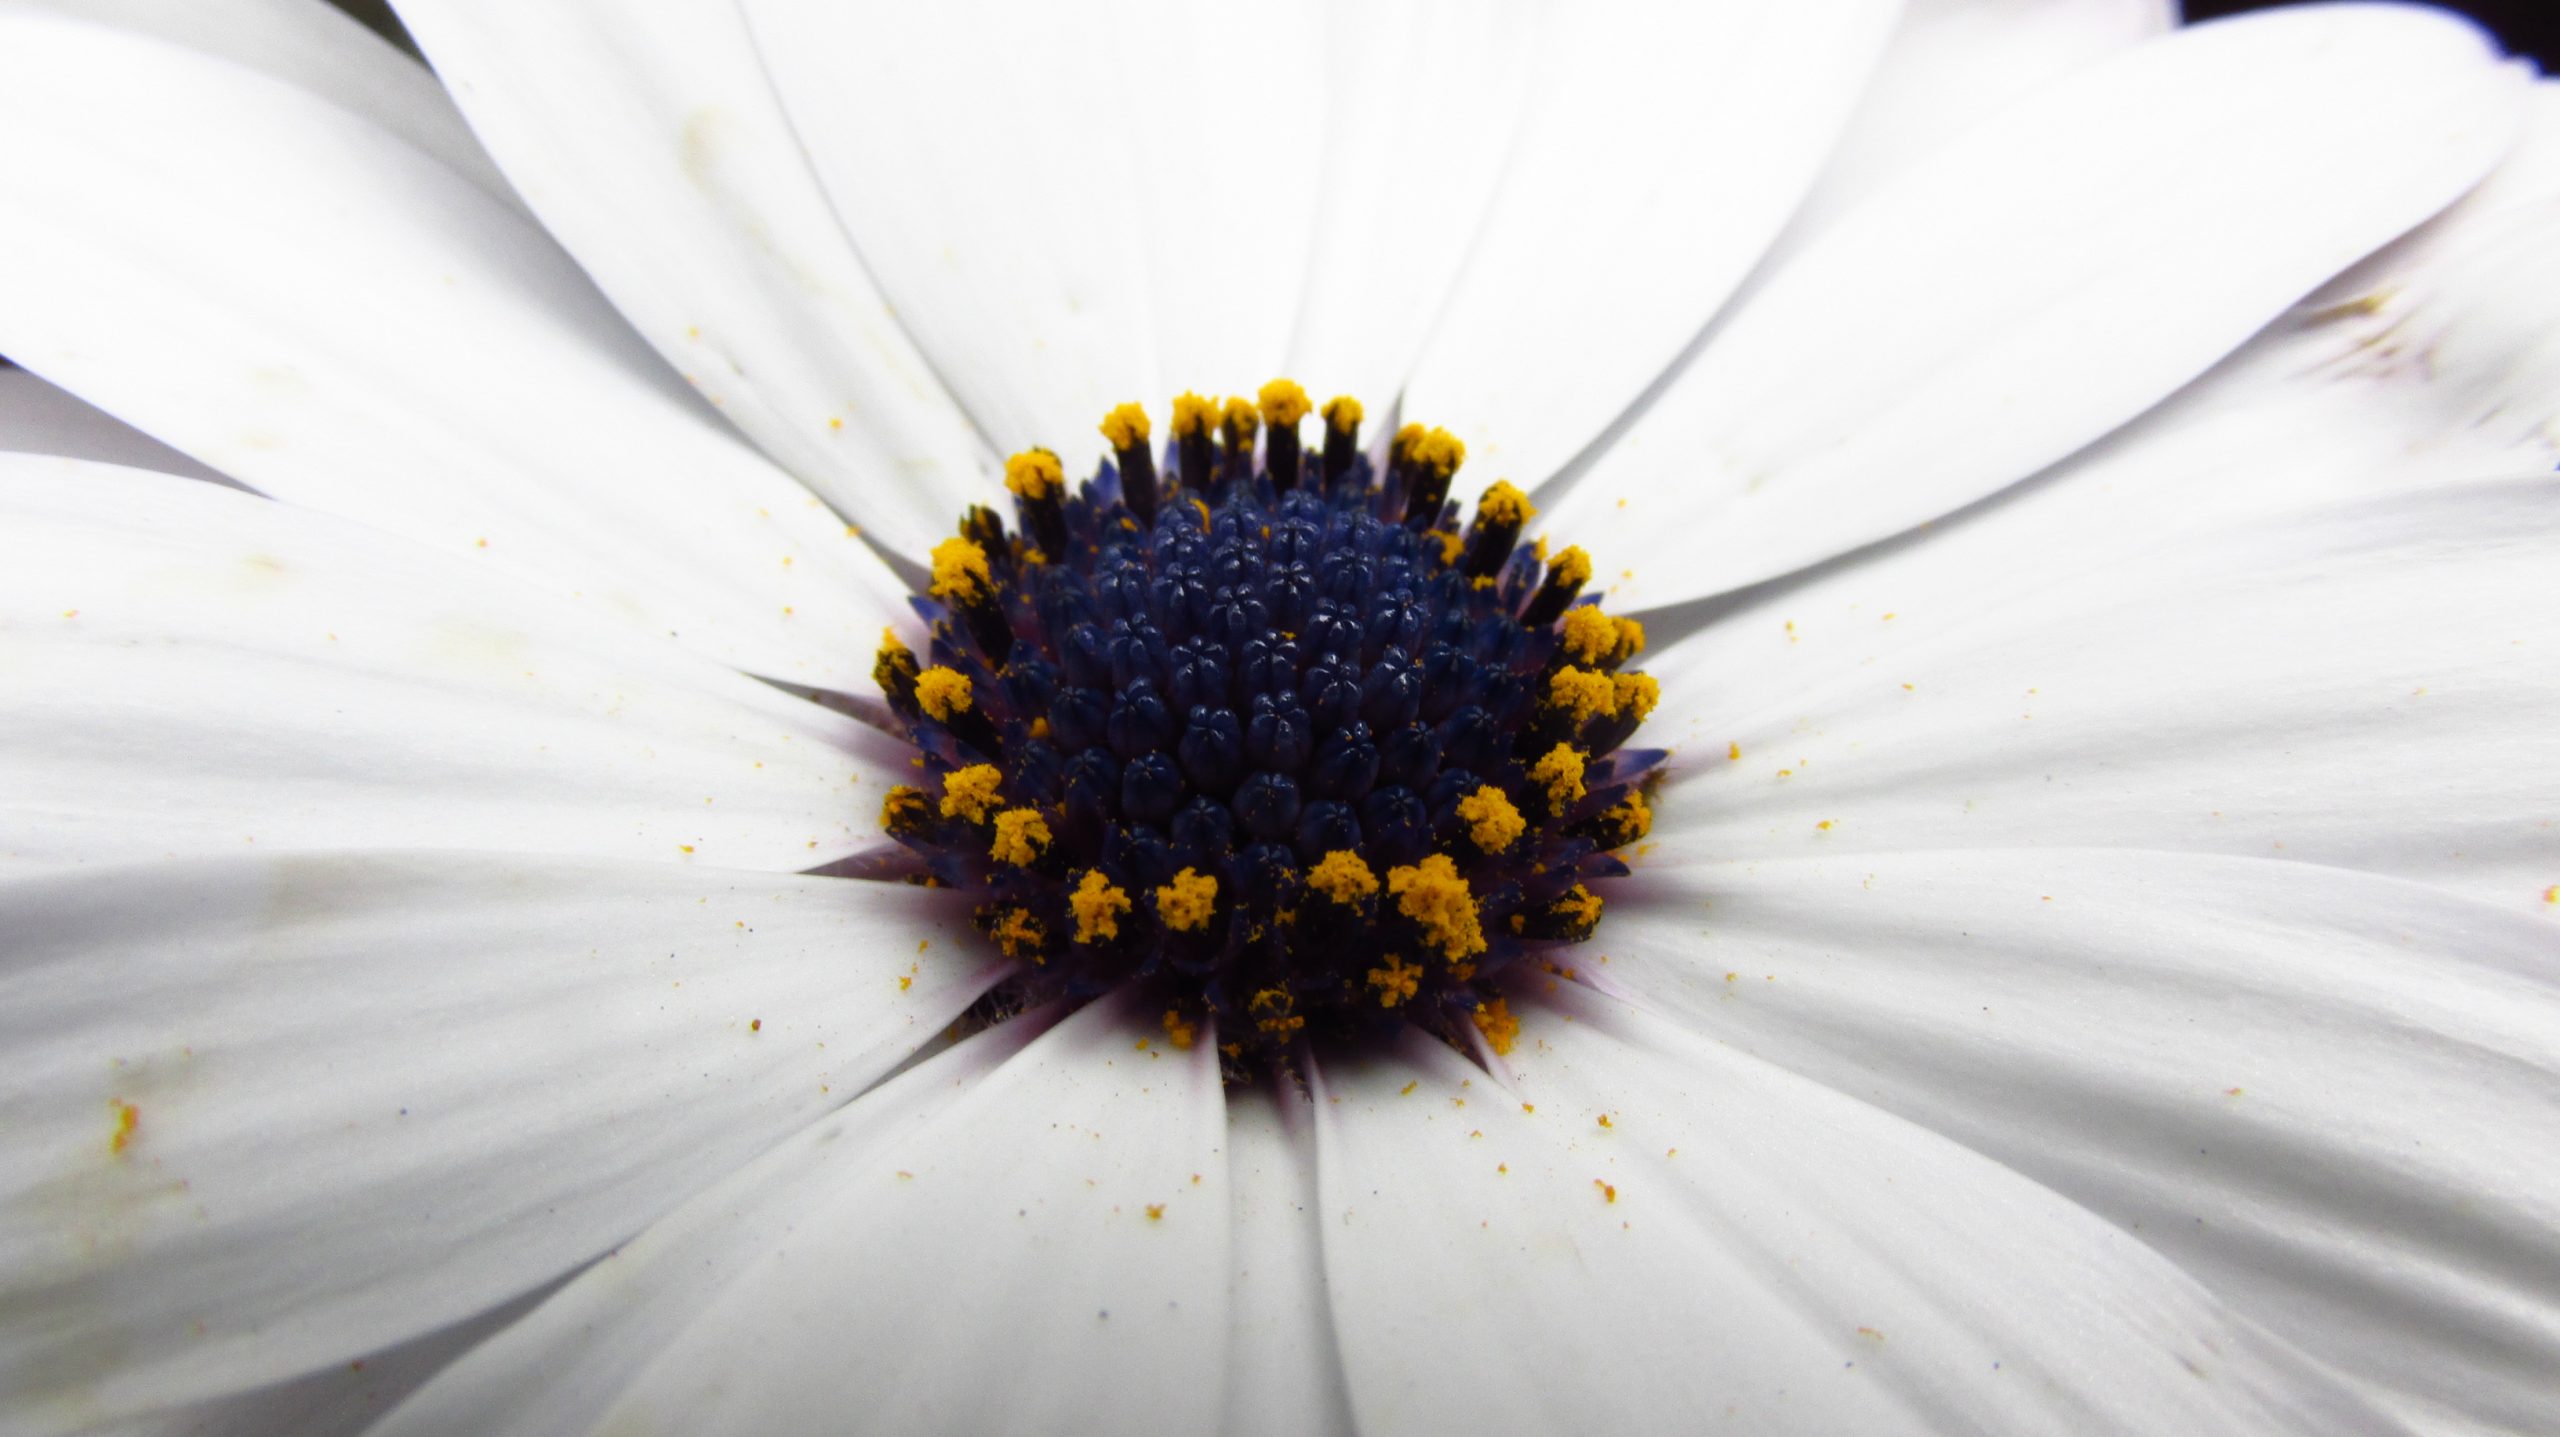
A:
(1278, 738)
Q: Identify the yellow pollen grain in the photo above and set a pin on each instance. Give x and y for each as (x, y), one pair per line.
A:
(1491, 820)
(1242, 421)
(1493, 1019)
(1022, 835)
(1193, 415)
(1034, 474)
(1435, 896)
(1630, 639)
(1584, 693)
(1396, 982)
(1442, 452)
(1126, 427)
(943, 692)
(1020, 935)
(1589, 635)
(1342, 414)
(1098, 904)
(1579, 904)
(1283, 403)
(1637, 694)
(1186, 903)
(1178, 1030)
(1403, 443)
(1504, 504)
(1571, 568)
(969, 792)
(1270, 1008)
(1560, 774)
(960, 571)
(128, 1120)
(1631, 817)
(1344, 877)
(1451, 546)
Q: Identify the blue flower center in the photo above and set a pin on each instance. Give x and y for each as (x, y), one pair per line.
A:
(1269, 731)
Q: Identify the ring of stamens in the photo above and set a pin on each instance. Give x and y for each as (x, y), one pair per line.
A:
(1268, 730)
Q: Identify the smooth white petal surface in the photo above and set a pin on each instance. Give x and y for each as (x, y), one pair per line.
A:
(1951, 64)
(1739, 1247)
(2044, 280)
(306, 302)
(1068, 209)
(313, 46)
(1284, 1372)
(38, 418)
(267, 1115)
(1668, 144)
(653, 147)
(2332, 1097)
(2366, 686)
(191, 670)
(1044, 1249)
(1419, 107)
(556, 1373)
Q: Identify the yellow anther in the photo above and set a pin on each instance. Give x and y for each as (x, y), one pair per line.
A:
(1560, 774)
(1126, 427)
(1637, 694)
(1440, 451)
(1396, 982)
(904, 810)
(1270, 1008)
(960, 571)
(1435, 896)
(1491, 820)
(1022, 835)
(1343, 877)
(1193, 415)
(1584, 693)
(1630, 818)
(944, 692)
(1402, 445)
(969, 792)
(1630, 639)
(1242, 421)
(1019, 934)
(1580, 905)
(1451, 546)
(1571, 568)
(1098, 904)
(1493, 1019)
(1343, 414)
(1187, 902)
(1589, 635)
(894, 665)
(1180, 1031)
(1282, 403)
(1503, 503)
(1034, 474)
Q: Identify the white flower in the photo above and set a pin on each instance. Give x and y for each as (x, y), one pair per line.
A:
(2095, 966)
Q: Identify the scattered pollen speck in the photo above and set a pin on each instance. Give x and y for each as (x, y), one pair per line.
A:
(2551, 894)
(1528, 1107)
(128, 1118)
(1604, 1121)
(757, 1026)
(1733, 751)
(2231, 1092)
(1608, 1193)
(1824, 825)
(833, 422)
(905, 982)
(1155, 1212)
(1409, 1087)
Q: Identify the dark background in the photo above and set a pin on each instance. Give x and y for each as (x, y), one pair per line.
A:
(2529, 27)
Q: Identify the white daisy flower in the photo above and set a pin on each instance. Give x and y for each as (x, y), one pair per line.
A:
(2084, 488)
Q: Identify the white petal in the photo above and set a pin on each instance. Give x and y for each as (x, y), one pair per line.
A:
(1063, 205)
(307, 303)
(557, 1372)
(271, 1114)
(2367, 686)
(314, 46)
(1420, 104)
(654, 149)
(2329, 1096)
(1738, 1247)
(37, 418)
(1669, 144)
(1951, 64)
(336, 1401)
(194, 670)
(2046, 279)
(1043, 1250)
(1284, 1372)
